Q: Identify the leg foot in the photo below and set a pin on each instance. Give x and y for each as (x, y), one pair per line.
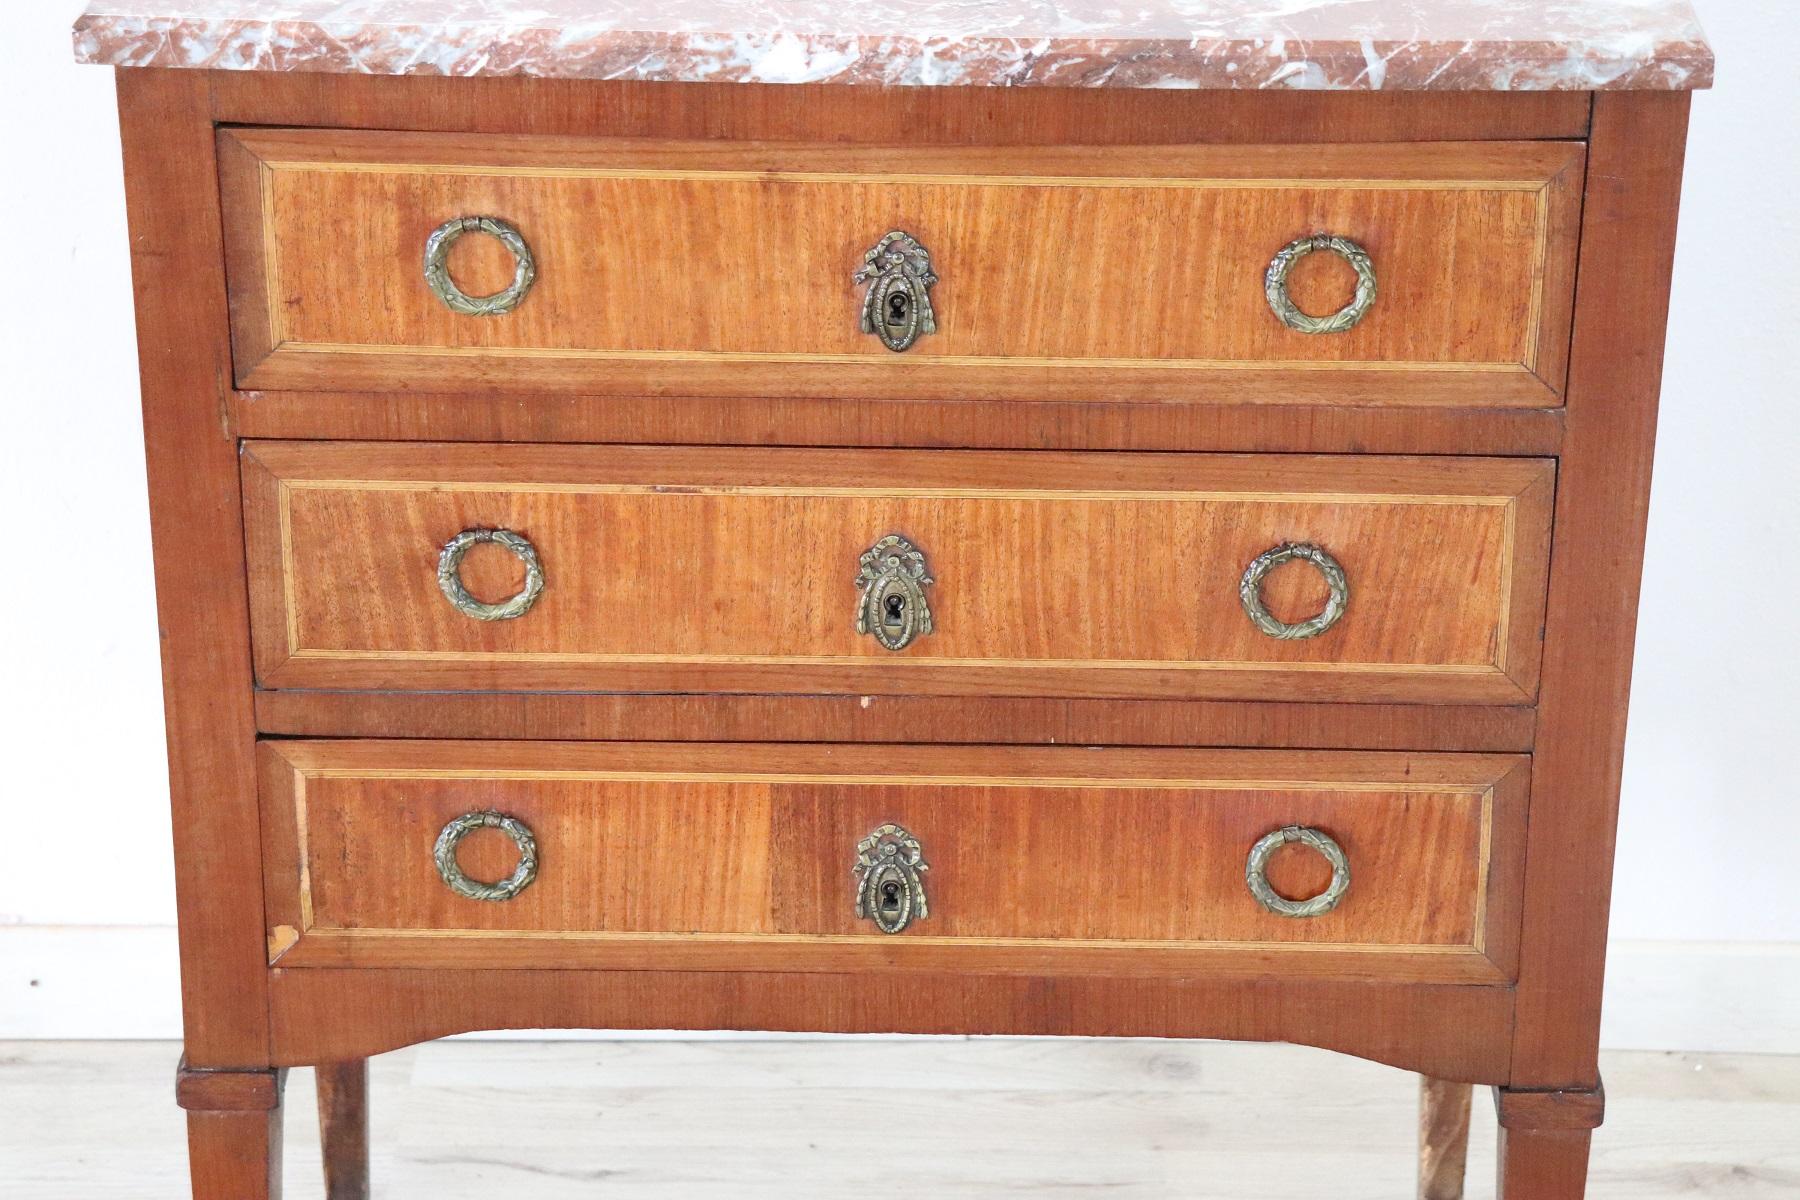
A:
(1443, 1138)
(234, 1132)
(344, 1128)
(1544, 1142)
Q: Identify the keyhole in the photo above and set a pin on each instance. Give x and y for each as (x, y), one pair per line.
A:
(890, 896)
(896, 608)
(896, 303)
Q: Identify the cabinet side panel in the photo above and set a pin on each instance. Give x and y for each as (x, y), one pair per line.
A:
(185, 361)
(1615, 372)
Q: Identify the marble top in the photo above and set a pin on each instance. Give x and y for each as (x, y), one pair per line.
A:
(1343, 45)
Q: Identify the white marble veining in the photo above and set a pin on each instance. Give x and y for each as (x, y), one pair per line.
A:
(1346, 45)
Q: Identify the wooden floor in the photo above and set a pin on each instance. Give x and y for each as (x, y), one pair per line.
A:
(922, 1118)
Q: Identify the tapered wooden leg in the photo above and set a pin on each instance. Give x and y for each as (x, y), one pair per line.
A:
(344, 1128)
(234, 1132)
(1536, 1165)
(1544, 1142)
(1443, 1138)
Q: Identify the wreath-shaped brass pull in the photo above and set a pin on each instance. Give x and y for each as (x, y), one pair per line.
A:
(1250, 591)
(1276, 289)
(437, 266)
(449, 575)
(452, 835)
(890, 889)
(1255, 873)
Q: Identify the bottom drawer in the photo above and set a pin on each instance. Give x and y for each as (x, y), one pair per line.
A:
(984, 859)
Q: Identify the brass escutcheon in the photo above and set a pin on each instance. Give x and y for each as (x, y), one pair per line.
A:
(892, 607)
(897, 306)
(889, 888)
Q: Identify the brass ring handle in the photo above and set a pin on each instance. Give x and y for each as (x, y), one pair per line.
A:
(1281, 906)
(892, 606)
(437, 266)
(889, 888)
(452, 835)
(1250, 591)
(449, 575)
(1275, 284)
(897, 307)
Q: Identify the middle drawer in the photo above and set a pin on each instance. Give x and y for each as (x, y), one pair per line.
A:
(632, 568)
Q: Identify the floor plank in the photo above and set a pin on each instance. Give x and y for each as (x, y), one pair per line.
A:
(950, 1118)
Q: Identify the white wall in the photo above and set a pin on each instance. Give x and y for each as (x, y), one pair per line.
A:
(79, 682)
(1715, 703)
(1706, 852)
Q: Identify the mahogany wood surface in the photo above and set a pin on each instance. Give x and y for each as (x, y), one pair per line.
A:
(675, 569)
(199, 1090)
(1451, 1031)
(673, 266)
(343, 1089)
(1621, 152)
(942, 719)
(1550, 1110)
(1602, 500)
(184, 365)
(1351, 421)
(1444, 1107)
(235, 1155)
(234, 1131)
(736, 856)
(1540, 1164)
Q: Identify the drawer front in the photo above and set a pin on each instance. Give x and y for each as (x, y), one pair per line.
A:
(674, 569)
(755, 857)
(1105, 273)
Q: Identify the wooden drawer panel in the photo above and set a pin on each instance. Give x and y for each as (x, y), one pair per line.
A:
(1093, 272)
(675, 569)
(742, 857)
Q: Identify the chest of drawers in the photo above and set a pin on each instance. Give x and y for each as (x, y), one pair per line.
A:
(652, 548)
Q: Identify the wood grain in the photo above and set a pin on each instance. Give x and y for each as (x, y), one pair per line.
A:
(1155, 1119)
(199, 1090)
(1550, 1110)
(1491, 330)
(343, 1089)
(235, 1155)
(1450, 1031)
(738, 857)
(196, 529)
(1543, 1165)
(1444, 1109)
(1347, 418)
(944, 719)
(1056, 574)
(1601, 504)
(1090, 272)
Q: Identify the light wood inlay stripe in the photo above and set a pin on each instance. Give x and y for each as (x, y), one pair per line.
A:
(850, 660)
(859, 939)
(1483, 865)
(951, 179)
(676, 491)
(847, 780)
(913, 359)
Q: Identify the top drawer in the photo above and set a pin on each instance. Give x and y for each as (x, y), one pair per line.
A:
(635, 267)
